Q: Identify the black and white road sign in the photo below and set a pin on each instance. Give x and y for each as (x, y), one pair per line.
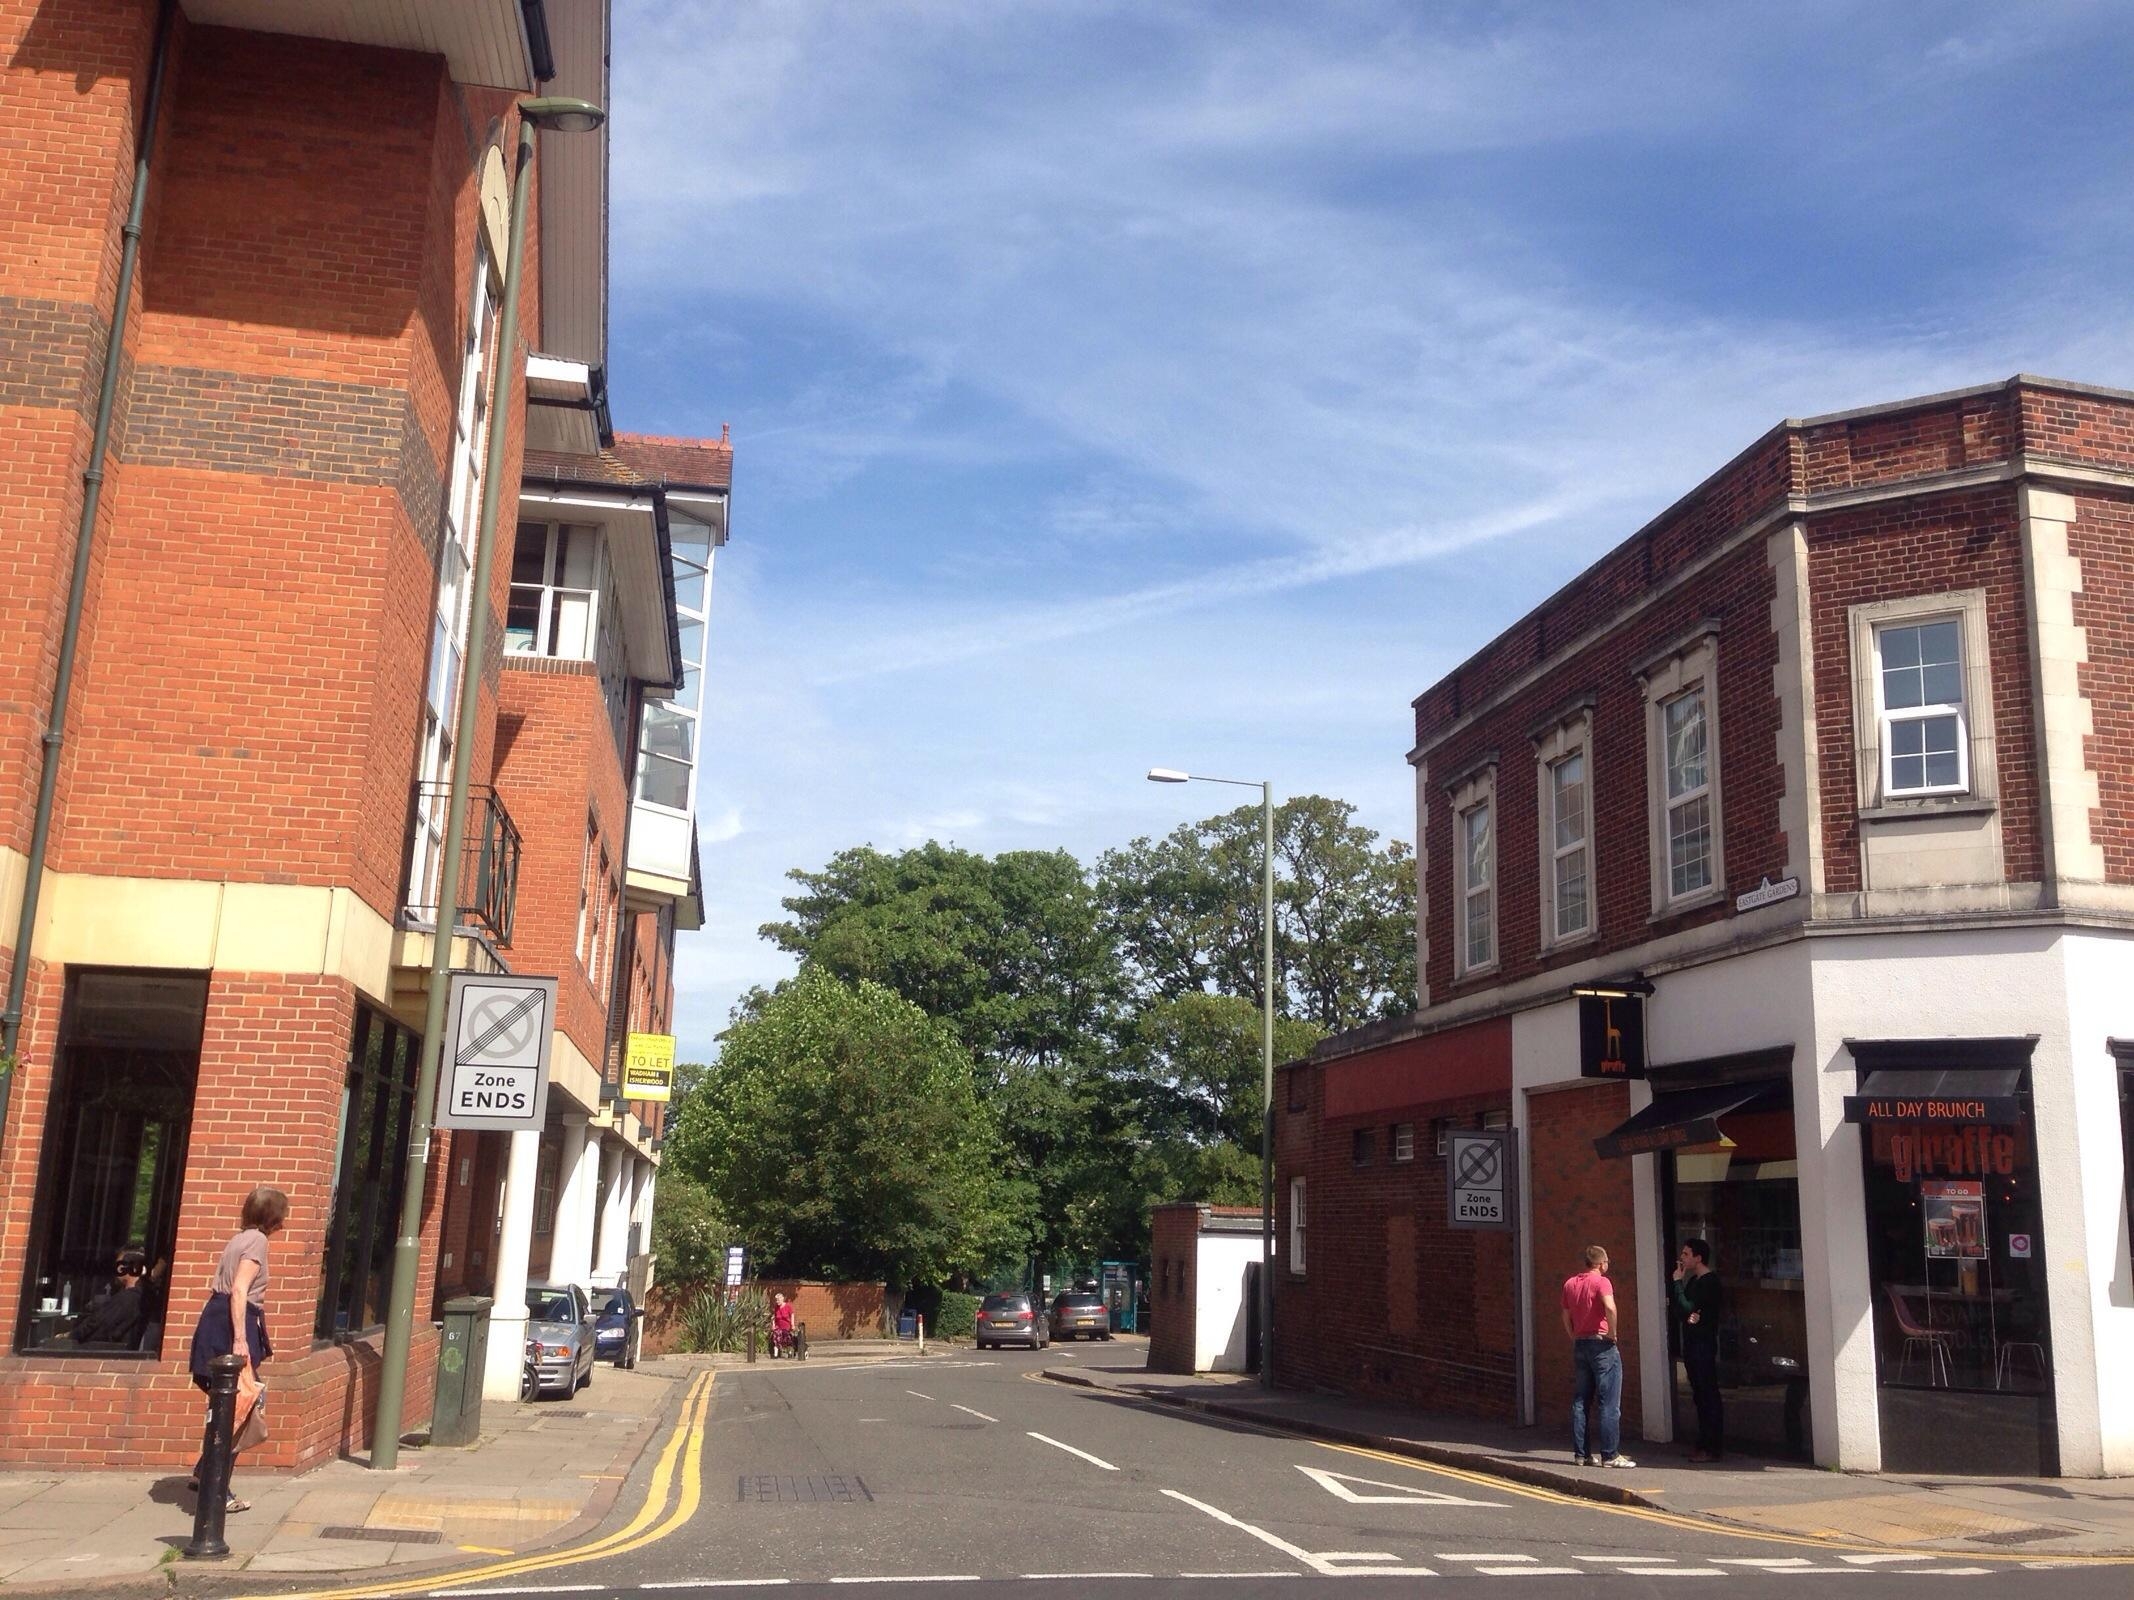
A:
(1478, 1177)
(495, 1064)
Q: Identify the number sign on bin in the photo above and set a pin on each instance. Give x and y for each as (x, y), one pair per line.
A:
(1478, 1177)
(497, 1032)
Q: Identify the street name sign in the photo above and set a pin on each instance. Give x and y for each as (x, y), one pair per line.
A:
(497, 1032)
(1478, 1177)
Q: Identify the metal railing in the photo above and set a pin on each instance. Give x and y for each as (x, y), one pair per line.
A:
(489, 860)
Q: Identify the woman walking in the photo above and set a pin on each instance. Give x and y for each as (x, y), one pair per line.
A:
(234, 1321)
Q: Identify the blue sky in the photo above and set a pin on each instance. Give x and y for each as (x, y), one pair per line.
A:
(1191, 385)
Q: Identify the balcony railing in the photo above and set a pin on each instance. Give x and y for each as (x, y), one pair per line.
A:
(488, 861)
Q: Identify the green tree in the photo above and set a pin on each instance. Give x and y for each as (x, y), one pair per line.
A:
(1199, 1066)
(841, 1134)
(1185, 911)
(688, 1233)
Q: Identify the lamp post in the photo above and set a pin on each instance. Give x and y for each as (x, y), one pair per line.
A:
(559, 115)
(1267, 978)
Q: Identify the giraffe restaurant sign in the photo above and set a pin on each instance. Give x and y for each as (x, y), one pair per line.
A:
(1976, 1151)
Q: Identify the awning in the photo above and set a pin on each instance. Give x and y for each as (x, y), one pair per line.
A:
(1938, 1094)
(1682, 1118)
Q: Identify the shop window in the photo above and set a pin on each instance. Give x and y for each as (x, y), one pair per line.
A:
(113, 1163)
(1956, 1256)
(1362, 1146)
(1403, 1141)
(1922, 698)
(370, 1163)
(1296, 1226)
(1682, 754)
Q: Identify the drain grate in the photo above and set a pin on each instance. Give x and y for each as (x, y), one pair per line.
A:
(385, 1535)
(836, 1489)
(2017, 1536)
(548, 1414)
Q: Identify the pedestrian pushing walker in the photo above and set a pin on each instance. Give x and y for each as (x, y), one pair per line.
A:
(1589, 1319)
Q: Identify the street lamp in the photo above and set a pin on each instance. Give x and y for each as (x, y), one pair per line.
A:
(557, 114)
(1171, 775)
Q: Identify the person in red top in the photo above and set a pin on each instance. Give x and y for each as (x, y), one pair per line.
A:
(781, 1322)
(1589, 1319)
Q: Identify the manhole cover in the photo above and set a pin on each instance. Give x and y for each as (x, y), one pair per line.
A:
(384, 1535)
(835, 1489)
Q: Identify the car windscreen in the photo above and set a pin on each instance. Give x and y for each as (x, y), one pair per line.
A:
(545, 1305)
(617, 1306)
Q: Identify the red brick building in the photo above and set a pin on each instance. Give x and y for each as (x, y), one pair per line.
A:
(1822, 777)
(236, 895)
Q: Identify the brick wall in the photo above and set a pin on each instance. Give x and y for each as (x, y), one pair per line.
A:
(556, 766)
(1394, 1304)
(2102, 539)
(1174, 1257)
(830, 1310)
(1930, 545)
(1578, 1199)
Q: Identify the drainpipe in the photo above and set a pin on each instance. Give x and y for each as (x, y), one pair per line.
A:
(55, 733)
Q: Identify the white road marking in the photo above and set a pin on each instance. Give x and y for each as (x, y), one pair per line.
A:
(1337, 1484)
(980, 1415)
(1873, 1561)
(716, 1583)
(1097, 1461)
(1774, 1563)
(1284, 1573)
(1531, 1572)
(1630, 1561)
(1944, 1572)
(916, 1395)
(1447, 1555)
(1069, 1576)
(1322, 1563)
(925, 1577)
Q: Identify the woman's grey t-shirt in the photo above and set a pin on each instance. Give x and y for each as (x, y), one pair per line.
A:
(250, 1245)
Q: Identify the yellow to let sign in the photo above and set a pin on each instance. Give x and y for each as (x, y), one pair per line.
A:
(648, 1067)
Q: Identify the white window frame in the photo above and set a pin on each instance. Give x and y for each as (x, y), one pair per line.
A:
(1690, 667)
(599, 612)
(1569, 739)
(678, 708)
(1476, 793)
(1975, 741)
(452, 608)
(1403, 1141)
(1296, 1227)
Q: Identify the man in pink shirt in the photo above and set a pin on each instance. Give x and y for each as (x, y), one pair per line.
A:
(1589, 1319)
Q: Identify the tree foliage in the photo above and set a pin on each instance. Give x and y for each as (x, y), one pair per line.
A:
(842, 1135)
(1186, 912)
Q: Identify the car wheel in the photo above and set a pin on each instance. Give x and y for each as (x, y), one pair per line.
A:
(982, 1344)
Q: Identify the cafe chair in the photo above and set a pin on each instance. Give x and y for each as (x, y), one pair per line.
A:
(1935, 1343)
(2004, 1361)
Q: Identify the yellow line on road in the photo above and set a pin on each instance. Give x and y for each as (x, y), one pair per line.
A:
(684, 1446)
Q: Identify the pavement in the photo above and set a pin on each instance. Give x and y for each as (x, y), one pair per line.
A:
(2042, 1516)
(541, 1474)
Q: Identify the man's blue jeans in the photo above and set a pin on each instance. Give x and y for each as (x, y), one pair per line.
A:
(1599, 1368)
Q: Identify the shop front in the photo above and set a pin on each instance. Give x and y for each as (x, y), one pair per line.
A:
(1956, 1256)
(1722, 1133)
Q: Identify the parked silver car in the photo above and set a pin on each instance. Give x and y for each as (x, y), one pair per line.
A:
(1012, 1317)
(559, 1337)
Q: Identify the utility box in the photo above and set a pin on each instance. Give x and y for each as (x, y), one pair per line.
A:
(456, 1414)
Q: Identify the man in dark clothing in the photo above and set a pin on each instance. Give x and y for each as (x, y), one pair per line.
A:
(119, 1317)
(1697, 1299)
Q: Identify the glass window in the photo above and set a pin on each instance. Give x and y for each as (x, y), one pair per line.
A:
(1919, 671)
(1296, 1225)
(1403, 1141)
(377, 1108)
(666, 768)
(1361, 1147)
(1567, 810)
(113, 1162)
(1478, 865)
(1689, 799)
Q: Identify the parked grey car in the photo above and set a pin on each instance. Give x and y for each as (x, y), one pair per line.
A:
(559, 1336)
(1012, 1317)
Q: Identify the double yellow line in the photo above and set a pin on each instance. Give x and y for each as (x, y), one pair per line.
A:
(653, 1521)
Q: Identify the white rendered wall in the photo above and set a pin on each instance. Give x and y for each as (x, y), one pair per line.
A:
(1219, 1300)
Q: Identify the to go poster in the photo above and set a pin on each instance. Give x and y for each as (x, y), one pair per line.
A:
(1955, 1219)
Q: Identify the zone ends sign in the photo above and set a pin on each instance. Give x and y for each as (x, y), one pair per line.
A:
(1479, 1164)
(494, 1074)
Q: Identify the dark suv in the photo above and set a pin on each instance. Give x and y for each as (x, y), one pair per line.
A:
(1074, 1315)
(1011, 1317)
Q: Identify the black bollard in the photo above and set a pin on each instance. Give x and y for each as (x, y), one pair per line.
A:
(751, 1344)
(800, 1342)
(213, 1505)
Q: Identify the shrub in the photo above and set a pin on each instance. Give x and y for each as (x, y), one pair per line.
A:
(713, 1323)
(956, 1317)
